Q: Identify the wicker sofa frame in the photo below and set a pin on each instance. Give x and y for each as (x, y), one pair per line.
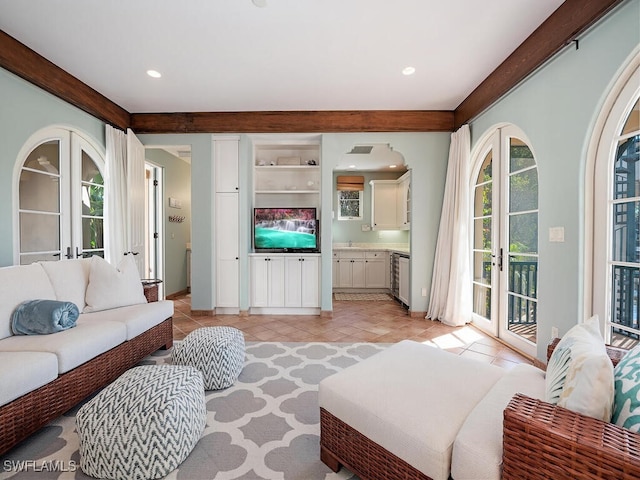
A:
(27, 414)
(541, 441)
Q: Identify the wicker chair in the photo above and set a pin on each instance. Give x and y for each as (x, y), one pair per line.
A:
(544, 441)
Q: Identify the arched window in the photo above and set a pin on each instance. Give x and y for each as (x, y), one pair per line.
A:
(59, 205)
(616, 205)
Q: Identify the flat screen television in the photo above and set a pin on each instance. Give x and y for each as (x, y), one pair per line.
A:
(285, 230)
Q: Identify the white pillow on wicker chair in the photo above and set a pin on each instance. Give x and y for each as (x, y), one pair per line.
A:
(580, 374)
(111, 287)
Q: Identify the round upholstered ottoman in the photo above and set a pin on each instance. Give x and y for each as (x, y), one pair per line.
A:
(144, 424)
(218, 352)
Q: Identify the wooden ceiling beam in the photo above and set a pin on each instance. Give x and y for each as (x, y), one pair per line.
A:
(33, 67)
(294, 121)
(559, 30)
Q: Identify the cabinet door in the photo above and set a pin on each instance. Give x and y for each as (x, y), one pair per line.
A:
(402, 206)
(403, 266)
(357, 273)
(345, 278)
(259, 281)
(310, 275)
(227, 264)
(383, 205)
(293, 279)
(225, 158)
(375, 273)
(334, 273)
(276, 281)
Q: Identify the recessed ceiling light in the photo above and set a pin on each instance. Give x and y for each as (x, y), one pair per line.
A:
(154, 73)
(408, 70)
(260, 3)
(392, 166)
(352, 166)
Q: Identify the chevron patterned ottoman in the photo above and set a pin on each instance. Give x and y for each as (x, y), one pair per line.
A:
(218, 352)
(144, 424)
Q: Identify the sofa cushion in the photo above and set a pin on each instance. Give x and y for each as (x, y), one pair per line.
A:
(477, 450)
(111, 287)
(69, 279)
(22, 372)
(626, 408)
(580, 373)
(73, 347)
(410, 399)
(20, 283)
(136, 318)
(43, 317)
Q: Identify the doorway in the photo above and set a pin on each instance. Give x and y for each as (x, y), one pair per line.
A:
(154, 227)
(505, 239)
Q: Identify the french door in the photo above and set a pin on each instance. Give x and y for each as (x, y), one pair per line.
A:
(505, 239)
(60, 198)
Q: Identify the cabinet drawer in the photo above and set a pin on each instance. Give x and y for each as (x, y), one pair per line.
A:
(345, 254)
(375, 254)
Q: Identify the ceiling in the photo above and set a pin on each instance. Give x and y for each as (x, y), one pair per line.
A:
(232, 56)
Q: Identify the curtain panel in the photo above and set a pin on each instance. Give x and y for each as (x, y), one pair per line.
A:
(451, 298)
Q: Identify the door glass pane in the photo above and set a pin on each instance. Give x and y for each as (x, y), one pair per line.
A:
(482, 267)
(633, 122)
(482, 301)
(523, 191)
(90, 171)
(625, 241)
(39, 232)
(40, 192)
(482, 204)
(627, 172)
(520, 155)
(92, 233)
(523, 233)
(521, 316)
(92, 200)
(624, 307)
(482, 233)
(523, 275)
(486, 168)
(45, 157)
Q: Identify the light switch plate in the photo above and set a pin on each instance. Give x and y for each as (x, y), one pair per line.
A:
(556, 234)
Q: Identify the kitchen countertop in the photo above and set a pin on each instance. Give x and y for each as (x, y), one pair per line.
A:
(395, 247)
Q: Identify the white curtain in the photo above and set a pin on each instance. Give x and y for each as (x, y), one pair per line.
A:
(451, 299)
(116, 183)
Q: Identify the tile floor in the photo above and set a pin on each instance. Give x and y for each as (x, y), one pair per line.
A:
(353, 321)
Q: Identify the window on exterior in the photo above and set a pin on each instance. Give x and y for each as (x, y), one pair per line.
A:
(625, 231)
(615, 218)
(349, 205)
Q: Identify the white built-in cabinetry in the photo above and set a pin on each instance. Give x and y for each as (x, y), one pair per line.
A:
(367, 269)
(285, 283)
(391, 203)
(403, 268)
(226, 160)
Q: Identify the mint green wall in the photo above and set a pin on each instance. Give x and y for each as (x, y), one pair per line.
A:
(556, 108)
(344, 231)
(202, 265)
(177, 184)
(25, 109)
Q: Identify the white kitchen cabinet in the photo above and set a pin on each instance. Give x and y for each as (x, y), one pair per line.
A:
(351, 267)
(403, 202)
(375, 269)
(302, 281)
(267, 281)
(403, 266)
(383, 204)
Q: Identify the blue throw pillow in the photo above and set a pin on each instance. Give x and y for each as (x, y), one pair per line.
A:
(626, 403)
(38, 317)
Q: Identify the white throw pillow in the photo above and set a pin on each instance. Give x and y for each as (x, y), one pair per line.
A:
(111, 287)
(580, 374)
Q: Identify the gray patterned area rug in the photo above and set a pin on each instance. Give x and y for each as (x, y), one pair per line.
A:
(266, 426)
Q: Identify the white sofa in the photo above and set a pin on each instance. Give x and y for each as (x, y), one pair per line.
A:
(43, 376)
(428, 408)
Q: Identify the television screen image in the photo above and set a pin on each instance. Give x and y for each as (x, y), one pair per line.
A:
(285, 229)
